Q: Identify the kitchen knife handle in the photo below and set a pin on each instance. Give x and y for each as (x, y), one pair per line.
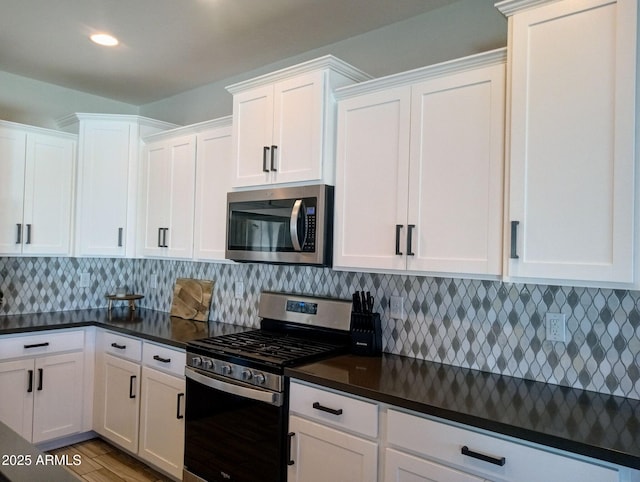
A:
(120, 232)
(19, 237)
(409, 239)
(485, 458)
(398, 228)
(265, 151)
(514, 239)
(40, 378)
(290, 436)
(28, 234)
(179, 416)
(273, 158)
(131, 380)
(30, 387)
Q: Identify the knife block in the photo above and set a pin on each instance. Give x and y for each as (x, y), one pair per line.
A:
(366, 334)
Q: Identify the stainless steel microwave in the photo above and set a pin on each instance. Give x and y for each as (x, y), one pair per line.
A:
(292, 225)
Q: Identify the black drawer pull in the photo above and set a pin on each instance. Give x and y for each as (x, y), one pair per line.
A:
(37, 345)
(398, 228)
(40, 378)
(485, 458)
(30, 387)
(514, 240)
(160, 359)
(332, 411)
(119, 347)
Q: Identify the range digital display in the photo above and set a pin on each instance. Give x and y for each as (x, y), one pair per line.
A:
(302, 307)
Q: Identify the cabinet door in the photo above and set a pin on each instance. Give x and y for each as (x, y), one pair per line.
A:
(572, 141)
(157, 199)
(182, 178)
(12, 165)
(58, 400)
(372, 180)
(104, 187)
(213, 181)
(17, 388)
(118, 397)
(48, 194)
(456, 173)
(252, 132)
(321, 453)
(401, 467)
(297, 128)
(162, 421)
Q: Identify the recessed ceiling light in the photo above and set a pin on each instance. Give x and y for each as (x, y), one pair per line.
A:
(104, 39)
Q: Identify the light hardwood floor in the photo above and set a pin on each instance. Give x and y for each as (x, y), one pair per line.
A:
(102, 462)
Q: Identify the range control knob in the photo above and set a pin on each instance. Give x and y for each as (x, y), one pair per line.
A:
(207, 364)
(226, 369)
(247, 375)
(196, 361)
(259, 378)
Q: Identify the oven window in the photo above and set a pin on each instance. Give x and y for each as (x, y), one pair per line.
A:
(231, 438)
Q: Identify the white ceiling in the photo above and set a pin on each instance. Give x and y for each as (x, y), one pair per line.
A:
(170, 46)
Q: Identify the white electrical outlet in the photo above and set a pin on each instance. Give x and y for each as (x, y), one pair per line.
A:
(556, 326)
(396, 308)
(153, 281)
(85, 280)
(239, 289)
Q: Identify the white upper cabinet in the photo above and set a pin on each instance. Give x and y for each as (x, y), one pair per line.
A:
(37, 169)
(213, 181)
(571, 188)
(169, 196)
(420, 170)
(283, 123)
(108, 153)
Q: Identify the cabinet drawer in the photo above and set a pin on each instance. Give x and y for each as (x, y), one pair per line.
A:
(164, 358)
(122, 346)
(43, 343)
(332, 408)
(445, 443)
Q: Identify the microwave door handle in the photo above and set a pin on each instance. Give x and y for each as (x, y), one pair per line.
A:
(293, 225)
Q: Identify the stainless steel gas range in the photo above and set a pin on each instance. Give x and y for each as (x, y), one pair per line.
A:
(237, 395)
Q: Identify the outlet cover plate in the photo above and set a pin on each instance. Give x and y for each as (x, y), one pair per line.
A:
(556, 326)
(396, 308)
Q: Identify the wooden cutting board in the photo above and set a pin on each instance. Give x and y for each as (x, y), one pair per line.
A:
(192, 299)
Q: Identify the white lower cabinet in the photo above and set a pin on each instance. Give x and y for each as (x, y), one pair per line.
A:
(335, 441)
(140, 399)
(402, 467)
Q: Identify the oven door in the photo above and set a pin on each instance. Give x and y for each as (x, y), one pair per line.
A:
(233, 432)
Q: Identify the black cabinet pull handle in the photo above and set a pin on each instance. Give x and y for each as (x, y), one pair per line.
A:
(290, 436)
(159, 237)
(160, 359)
(37, 345)
(40, 378)
(409, 239)
(131, 379)
(265, 152)
(164, 237)
(398, 228)
(19, 236)
(178, 415)
(28, 234)
(119, 347)
(120, 232)
(273, 158)
(30, 387)
(322, 408)
(514, 239)
(486, 458)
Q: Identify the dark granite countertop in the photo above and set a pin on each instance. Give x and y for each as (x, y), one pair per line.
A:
(20, 461)
(152, 325)
(587, 423)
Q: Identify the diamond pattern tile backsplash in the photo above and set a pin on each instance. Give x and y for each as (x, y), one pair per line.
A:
(486, 325)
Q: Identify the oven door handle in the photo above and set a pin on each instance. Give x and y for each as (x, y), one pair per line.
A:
(272, 398)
